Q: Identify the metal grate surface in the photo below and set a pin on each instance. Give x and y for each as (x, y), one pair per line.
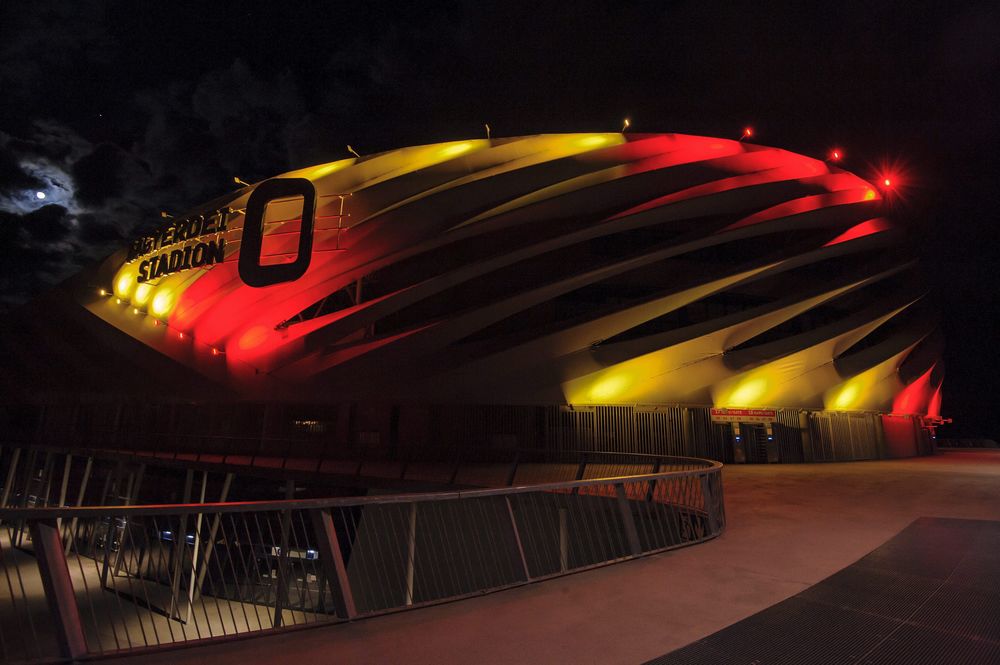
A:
(931, 594)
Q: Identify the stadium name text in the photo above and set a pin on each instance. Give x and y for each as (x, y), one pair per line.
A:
(180, 245)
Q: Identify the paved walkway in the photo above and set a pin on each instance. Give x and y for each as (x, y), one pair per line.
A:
(931, 594)
(789, 527)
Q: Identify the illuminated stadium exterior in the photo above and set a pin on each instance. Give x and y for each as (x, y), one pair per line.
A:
(644, 292)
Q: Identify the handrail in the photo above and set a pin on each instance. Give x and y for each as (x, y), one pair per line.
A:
(48, 512)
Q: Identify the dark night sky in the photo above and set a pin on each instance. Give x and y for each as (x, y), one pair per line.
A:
(117, 110)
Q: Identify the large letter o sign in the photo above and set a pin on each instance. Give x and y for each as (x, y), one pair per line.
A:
(251, 271)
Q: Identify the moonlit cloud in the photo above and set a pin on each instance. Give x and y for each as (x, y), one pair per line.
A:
(56, 188)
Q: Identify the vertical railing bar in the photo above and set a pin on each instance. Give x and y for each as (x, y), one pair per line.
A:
(670, 489)
(102, 585)
(321, 609)
(253, 557)
(310, 564)
(90, 599)
(165, 566)
(499, 559)
(207, 559)
(28, 472)
(11, 474)
(179, 548)
(350, 537)
(533, 518)
(13, 594)
(433, 575)
(217, 600)
(586, 510)
(501, 518)
(465, 546)
(575, 527)
(626, 511)
(517, 539)
(498, 541)
(155, 580)
(283, 582)
(368, 520)
(481, 531)
(126, 532)
(651, 517)
(411, 552)
(268, 556)
(707, 502)
(473, 539)
(430, 526)
(277, 616)
(303, 590)
(230, 543)
(614, 547)
(394, 550)
(367, 561)
(433, 507)
(663, 513)
(195, 547)
(24, 595)
(87, 468)
(602, 522)
(142, 584)
(64, 486)
(223, 496)
(535, 513)
(3, 640)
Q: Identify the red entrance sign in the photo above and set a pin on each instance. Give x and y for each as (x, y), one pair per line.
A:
(744, 415)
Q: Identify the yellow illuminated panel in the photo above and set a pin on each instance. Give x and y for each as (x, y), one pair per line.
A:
(124, 281)
(751, 391)
(142, 293)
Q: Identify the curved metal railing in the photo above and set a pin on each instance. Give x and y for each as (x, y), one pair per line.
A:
(98, 580)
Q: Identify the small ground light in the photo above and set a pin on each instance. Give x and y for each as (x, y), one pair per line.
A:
(118, 301)
(180, 335)
(103, 292)
(836, 155)
(215, 351)
(887, 182)
(135, 310)
(747, 133)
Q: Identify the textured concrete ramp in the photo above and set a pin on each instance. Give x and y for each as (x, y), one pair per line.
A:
(931, 594)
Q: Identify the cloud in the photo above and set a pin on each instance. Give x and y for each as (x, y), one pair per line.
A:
(48, 224)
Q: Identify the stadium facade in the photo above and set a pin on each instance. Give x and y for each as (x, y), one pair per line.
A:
(656, 293)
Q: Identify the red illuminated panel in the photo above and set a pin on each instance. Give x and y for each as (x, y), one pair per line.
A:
(866, 228)
(934, 406)
(916, 396)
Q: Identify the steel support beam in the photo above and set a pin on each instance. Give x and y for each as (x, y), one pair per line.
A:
(58, 589)
(332, 558)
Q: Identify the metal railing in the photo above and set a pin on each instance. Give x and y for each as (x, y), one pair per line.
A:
(99, 580)
(468, 464)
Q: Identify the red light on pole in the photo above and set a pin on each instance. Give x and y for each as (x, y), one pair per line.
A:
(747, 133)
(836, 155)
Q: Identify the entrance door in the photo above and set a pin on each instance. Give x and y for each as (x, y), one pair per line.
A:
(755, 442)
